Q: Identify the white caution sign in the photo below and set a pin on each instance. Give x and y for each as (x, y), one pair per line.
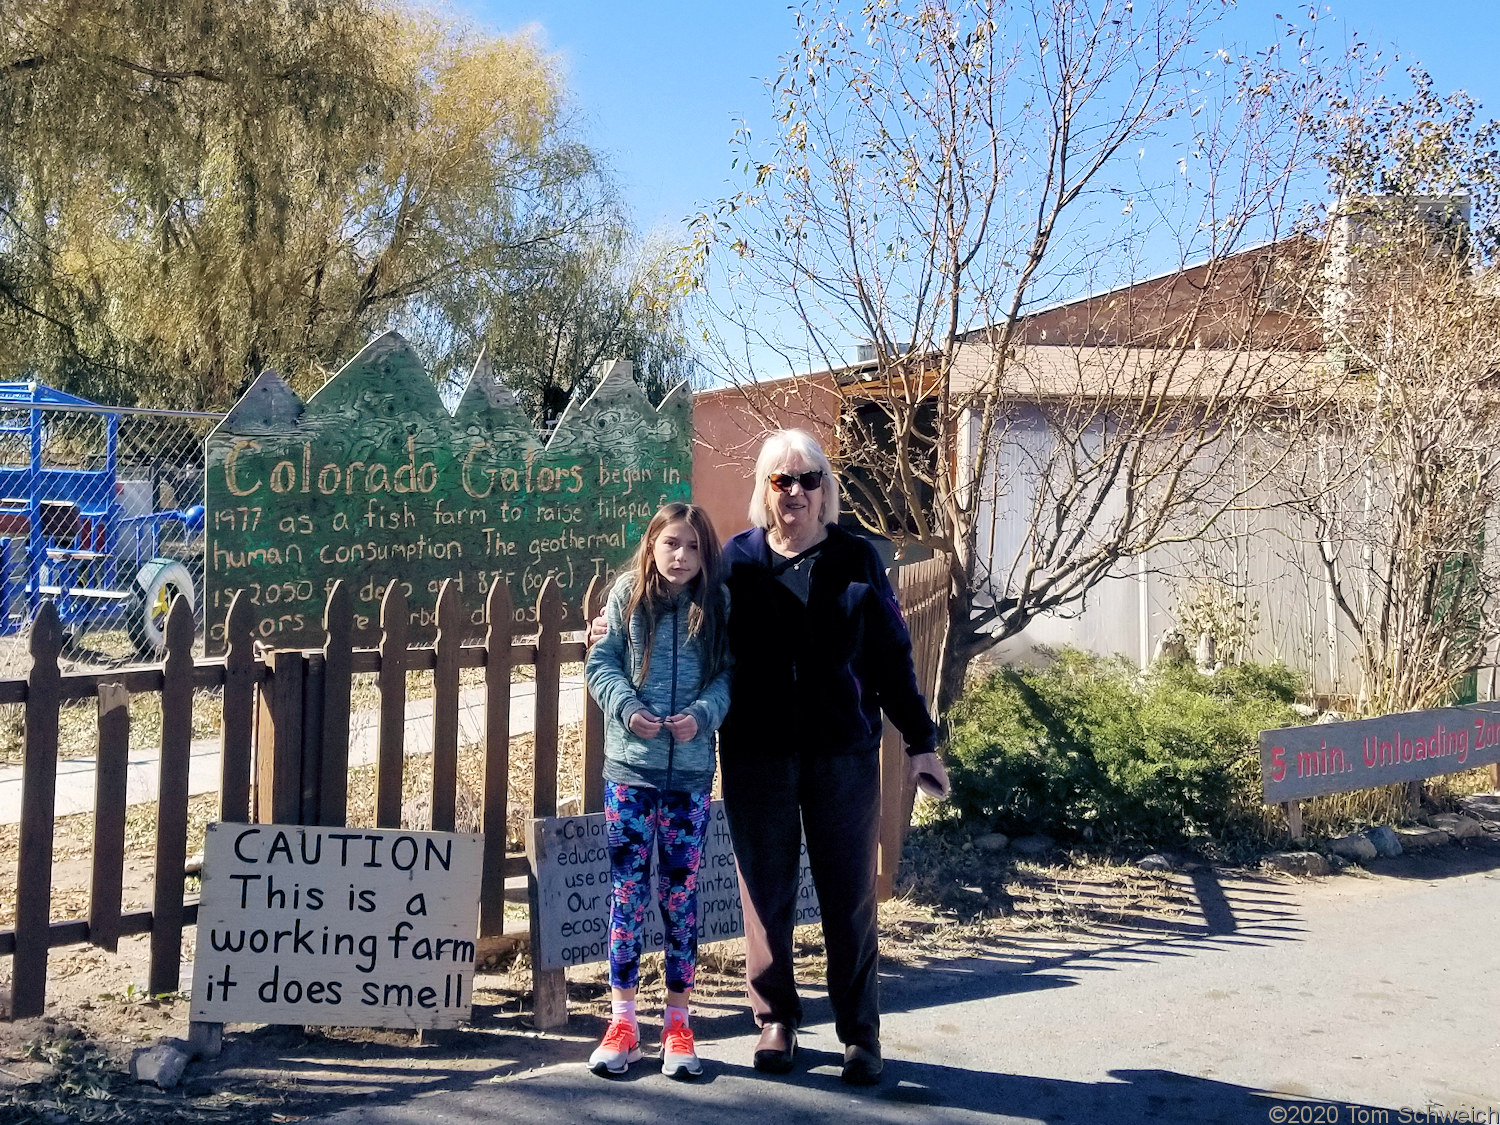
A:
(355, 927)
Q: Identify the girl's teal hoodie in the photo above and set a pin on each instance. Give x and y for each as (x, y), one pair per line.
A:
(674, 685)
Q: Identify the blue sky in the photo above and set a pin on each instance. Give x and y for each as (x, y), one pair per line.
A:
(660, 83)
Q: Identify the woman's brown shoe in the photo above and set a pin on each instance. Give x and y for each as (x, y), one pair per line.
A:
(776, 1048)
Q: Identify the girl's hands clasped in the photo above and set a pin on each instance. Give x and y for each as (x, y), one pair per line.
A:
(645, 724)
(684, 728)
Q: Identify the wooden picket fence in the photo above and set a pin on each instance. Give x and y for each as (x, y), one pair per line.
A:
(285, 745)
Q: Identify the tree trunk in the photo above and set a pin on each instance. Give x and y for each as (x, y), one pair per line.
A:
(958, 651)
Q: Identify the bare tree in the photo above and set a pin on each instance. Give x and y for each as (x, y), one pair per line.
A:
(1406, 475)
(942, 168)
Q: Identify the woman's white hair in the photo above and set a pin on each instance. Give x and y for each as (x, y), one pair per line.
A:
(780, 449)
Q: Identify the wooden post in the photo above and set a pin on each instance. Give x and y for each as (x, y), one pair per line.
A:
(892, 802)
(172, 801)
(338, 650)
(237, 755)
(593, 717)
(549, 986)
(549, 614)
(111, 764)
(1413, 797)
(392, 732)
(237, 737)
(28, 988)
(278, 740)
(310, 807)
(497, 665)
(1293, 819)
(445, 709)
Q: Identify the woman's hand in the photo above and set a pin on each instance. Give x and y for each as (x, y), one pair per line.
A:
(683, 727)
(644, 724)
(928, 773)
(597, 628)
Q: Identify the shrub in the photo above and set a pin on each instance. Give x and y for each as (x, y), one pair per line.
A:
(1092, 748)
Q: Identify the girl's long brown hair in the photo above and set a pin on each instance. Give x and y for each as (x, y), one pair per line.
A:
(706, 607)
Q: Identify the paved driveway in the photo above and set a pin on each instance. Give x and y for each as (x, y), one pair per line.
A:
(1376, 997)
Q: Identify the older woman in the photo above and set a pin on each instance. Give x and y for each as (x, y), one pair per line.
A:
(819, 651)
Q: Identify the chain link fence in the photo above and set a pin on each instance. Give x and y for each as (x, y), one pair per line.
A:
(101, 510)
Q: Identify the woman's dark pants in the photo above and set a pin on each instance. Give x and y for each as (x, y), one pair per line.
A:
(768, 802)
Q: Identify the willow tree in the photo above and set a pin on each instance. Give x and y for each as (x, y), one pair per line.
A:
(939, 169)
(190, 192)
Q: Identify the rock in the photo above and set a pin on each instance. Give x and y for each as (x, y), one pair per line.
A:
(1304, 710)
(1299, 863)
(1417, 838)
(1386, 842)
(1032, 845)
(161, 1065)
(992, 842)
(1154, 862)
(1456, 825)
(1356, 847)
(1482, 806)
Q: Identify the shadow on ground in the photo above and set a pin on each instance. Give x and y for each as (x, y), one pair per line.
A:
(501, 1069)
(506, 1090)
(1477, 856)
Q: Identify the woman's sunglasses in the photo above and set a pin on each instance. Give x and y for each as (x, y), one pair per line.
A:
(782, 482)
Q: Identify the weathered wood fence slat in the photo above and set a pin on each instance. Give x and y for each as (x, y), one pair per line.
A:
(285, 749)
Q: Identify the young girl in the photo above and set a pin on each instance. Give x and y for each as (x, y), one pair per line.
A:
(660, 677)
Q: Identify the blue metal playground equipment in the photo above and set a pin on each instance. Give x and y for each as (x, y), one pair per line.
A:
(72, 531)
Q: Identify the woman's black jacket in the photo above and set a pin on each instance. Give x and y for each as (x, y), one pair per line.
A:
(814, 678)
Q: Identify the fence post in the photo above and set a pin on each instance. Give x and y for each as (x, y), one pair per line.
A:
(310, 807)
(28, 987)
(338, 626)
(392, 733)
(445, 709)
(892, 802)
(236, 761)
(237, 739)
(172, 800)
(593, 717)
(278, 740)
(111, 764)
(549, 986)
(497, 664)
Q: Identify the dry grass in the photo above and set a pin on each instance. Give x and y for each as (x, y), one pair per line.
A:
(1349, 812)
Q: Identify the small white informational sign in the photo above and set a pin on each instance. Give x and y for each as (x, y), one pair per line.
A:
(570, 860)
(353, 927)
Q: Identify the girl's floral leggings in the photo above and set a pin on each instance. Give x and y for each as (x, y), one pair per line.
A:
(635, 818)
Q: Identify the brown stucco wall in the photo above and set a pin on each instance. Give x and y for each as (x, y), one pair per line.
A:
(729, 425)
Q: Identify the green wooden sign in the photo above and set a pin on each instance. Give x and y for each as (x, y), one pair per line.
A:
(373, 480)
